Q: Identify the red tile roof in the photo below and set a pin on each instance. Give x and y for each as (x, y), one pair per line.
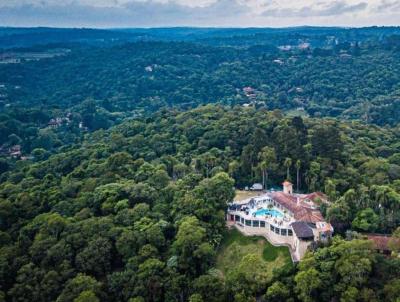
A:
(309, 215)
(313, 196)
(301, 210)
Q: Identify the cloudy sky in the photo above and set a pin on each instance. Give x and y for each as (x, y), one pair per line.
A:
(226, 13)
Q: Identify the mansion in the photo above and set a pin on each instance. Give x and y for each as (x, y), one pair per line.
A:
(284, 218)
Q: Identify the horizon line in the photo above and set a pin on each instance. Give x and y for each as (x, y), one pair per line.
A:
(200, 27)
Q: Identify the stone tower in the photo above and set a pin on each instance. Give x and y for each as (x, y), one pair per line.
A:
(287, 187)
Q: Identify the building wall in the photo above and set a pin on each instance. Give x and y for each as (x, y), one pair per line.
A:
(296, 246)
(276, 231)
(274, 238)
(301, 247)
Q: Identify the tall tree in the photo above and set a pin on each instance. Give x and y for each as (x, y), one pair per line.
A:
(287, 163)
(298, 166)
(267, 156)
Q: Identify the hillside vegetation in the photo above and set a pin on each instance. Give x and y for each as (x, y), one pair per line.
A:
(324, 73)
(136, 213)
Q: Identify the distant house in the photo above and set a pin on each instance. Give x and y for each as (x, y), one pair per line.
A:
(256, 187)
(27, 157)
(304, 46)
(10, 61)
(248, 89)
(381, 242)
(15, 151)
(16, 154)
(277, 61)
(83, 127)
(250, 92)
(52, 123)
(345, 56)
(58, 121)
(285, 47)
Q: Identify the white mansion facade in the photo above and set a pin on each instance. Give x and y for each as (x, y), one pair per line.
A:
(284, 218)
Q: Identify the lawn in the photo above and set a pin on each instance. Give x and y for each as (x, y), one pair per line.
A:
(242, 195)
(235, 246)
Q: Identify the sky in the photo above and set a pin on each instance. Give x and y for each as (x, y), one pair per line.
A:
(201, 13)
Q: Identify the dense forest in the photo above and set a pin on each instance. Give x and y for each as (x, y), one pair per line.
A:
(137, 212)
(12, 37)
(349, 74)
(120, 149)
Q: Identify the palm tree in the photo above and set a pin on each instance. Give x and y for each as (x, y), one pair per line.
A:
(287, 164)
(298, 166)
(267, 156)
(263, 167)
(233, 167)
(312, 175)
(381, 195)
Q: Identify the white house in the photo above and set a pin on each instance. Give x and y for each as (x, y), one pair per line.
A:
(284, 218)
(256, 187)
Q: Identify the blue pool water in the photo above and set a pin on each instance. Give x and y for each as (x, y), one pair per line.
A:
(273, 213)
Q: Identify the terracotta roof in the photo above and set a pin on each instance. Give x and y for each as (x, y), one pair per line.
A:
(380, 241)
(315, 195)
(286, 200)
(309, 215)
(302, 211)
(323, 226)
(286, 182)
(15, 148)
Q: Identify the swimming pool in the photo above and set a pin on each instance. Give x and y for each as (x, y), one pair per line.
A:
(272, 212)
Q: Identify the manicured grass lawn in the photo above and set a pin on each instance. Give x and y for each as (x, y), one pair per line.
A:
(235, 246)
(242, 195)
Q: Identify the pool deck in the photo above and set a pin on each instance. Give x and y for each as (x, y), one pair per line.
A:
(263, 202)
(268, 212)
(279, 222)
